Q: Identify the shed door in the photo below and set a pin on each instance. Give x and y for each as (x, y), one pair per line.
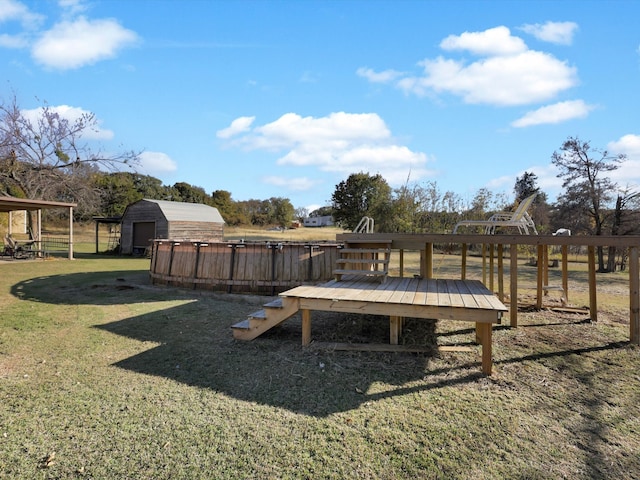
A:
(143, 234)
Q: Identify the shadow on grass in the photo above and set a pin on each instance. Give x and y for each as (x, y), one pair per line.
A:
(275, 369)
(193, 344)
(86, 288)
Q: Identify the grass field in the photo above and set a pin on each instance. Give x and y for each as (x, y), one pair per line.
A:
(104, 376)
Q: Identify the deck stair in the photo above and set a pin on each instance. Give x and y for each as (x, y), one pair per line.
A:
(271, 315)
(365, 259)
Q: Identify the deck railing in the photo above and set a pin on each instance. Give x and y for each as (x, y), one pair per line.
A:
(490, 244)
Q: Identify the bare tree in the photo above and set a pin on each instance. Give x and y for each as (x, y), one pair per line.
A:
(49, 157)
(587, 191)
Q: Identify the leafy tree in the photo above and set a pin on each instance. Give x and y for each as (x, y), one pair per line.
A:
(230, 210)
(528, 185)
(47, 157)
(185, 192)
(404, 210)
(587, 191)
(486, 202)
(300, 213)
(283, 211)
(626, 221)
(325, 211)
(361, 195)
(119, 189)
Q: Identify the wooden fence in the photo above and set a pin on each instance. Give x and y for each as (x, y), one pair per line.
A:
(242, 267)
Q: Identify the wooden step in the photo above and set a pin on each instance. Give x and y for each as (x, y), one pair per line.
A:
(381, 261)
(276, 303)
(363, 262)
(364, 250)
(243, 325)
(376, 273)
(273, 314)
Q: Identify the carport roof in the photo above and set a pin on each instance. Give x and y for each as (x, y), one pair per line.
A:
(9, 204)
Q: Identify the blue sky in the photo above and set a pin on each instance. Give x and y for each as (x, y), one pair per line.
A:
(288, 98)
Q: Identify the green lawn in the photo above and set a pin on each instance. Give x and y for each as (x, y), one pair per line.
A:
(103, 376)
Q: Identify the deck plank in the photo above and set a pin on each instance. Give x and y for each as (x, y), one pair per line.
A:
(443, 294)
(406, 291)
(399, 291)
(468, 298)
(432, 293)
(454, 294)
(409, 295)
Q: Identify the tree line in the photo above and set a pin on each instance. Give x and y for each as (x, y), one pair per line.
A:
(47, 156)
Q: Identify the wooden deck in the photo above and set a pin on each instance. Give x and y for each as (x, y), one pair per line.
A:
(459, 300)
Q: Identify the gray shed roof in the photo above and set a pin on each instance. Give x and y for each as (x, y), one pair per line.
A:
(191, 212)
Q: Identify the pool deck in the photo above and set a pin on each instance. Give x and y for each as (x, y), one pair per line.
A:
(398, 298)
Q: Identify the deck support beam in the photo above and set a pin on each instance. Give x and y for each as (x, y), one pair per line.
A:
(306, 326)
(513, 286)
(593, 302)
(634, 296)
(485, 330)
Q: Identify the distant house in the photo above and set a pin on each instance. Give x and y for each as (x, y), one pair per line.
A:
(146, 220)
(324, 221)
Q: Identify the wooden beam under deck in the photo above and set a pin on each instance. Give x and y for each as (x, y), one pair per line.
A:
(458, 300)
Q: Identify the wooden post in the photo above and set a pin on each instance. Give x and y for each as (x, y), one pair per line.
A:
(491, 265)
(484, 264)
(501, 272)
(545, 267)
(593, 304)
(539, 276)
(513, 285)
(70, 233)
(428, 258)
(486, 329)
(464, 262)
(394, 329)
(565, 272)
(401, 263)
(97, 234)
(306, 327)
(634, 296)
(39, 244)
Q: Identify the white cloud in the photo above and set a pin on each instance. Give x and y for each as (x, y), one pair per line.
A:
(557, 113)
(239, 125)
(71, 114)
(554, 32)
(13, 41)
(72, 6)
(295, 184)
(14, 11)
(491, 42)
(628, 173)
(507, 73)
(627, 144)
(340, 143)
(11, 10)
(308, 77)
(156, 163)
(73, 44)
(385, 76)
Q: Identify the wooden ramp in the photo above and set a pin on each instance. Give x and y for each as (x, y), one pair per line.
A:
(397, 298)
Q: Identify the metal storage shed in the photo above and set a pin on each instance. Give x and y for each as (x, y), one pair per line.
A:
(148, 219)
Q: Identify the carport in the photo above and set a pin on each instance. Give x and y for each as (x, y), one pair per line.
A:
(13, 204)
